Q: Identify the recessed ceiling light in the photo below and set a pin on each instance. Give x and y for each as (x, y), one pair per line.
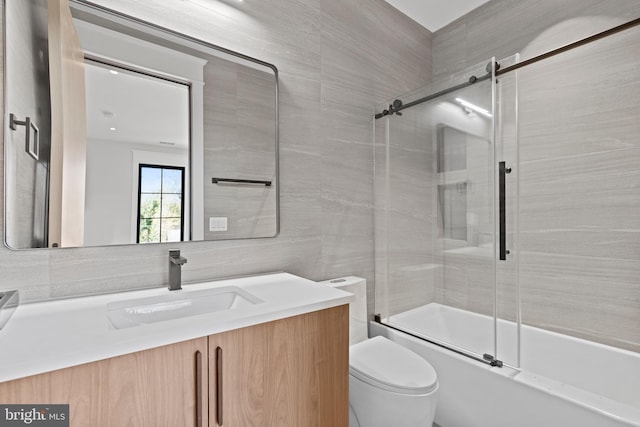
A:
(114, 72)
(112, 128)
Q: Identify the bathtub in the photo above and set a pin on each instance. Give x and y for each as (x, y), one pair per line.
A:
(562, 381)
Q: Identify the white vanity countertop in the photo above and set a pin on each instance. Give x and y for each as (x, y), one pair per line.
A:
(46, 336)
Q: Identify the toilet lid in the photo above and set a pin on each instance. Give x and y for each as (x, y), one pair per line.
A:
(389, 366)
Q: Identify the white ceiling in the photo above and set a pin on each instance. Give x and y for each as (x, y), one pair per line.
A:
(134, 108)
(435, 14)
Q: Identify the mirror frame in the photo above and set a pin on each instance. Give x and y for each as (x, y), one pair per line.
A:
(121, 19)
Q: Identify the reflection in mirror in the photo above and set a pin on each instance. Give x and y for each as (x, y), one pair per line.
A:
(464, 189)
(135, 123)
(137, 132)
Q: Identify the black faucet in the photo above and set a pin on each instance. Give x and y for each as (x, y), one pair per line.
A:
(175, 269)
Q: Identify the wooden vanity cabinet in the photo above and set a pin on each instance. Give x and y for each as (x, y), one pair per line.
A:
(292, 372)
(151, 388)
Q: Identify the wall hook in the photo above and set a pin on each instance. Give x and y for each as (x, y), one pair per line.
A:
(32, 146)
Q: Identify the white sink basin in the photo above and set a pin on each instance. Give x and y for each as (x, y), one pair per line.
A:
(177, 304)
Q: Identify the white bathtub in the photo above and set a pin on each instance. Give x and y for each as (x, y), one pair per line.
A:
(563, 381)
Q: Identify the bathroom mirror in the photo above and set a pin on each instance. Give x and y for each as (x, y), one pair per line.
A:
(118, 131)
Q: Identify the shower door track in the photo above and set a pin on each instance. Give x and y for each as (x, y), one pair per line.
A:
(472, 80)
(499, 71)
(570, 46)
(487, 359)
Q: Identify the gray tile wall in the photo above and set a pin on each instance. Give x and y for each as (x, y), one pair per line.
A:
(337, 59)
(579, 155)
(28, 77)
(501, 28)
(417, 263)
(239, 143)
(404, 203)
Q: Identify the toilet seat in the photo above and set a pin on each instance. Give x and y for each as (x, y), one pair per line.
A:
(389, 366)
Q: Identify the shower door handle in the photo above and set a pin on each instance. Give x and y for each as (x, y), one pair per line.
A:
(503, 170)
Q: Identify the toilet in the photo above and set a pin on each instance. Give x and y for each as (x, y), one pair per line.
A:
(389, 385)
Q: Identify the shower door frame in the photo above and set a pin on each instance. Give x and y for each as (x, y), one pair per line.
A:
(500, 232)
(395, 108)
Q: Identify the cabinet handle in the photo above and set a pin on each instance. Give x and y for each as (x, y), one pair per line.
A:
(219, 385)
(198, 389)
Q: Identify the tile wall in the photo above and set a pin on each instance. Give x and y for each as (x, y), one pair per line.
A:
(579, 155)
(337, 59)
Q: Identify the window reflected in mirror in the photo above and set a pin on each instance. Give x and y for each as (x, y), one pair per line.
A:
(160, 204)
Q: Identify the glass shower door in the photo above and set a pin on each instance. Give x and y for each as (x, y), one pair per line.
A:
(435, 180)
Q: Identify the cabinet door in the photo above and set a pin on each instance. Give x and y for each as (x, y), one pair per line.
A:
(291, 372)
(151, 388)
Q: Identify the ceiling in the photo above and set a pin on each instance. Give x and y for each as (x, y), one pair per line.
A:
(435, 14)
(130, 107)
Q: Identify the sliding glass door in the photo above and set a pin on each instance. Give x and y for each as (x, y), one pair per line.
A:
(437, 206)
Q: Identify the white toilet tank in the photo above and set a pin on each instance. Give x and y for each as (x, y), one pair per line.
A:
(388, 384)
(357, 308)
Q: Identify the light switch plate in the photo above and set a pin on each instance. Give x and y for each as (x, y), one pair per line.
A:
(218, 223)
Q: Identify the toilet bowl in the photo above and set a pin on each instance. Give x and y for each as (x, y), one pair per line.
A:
(389, 385)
